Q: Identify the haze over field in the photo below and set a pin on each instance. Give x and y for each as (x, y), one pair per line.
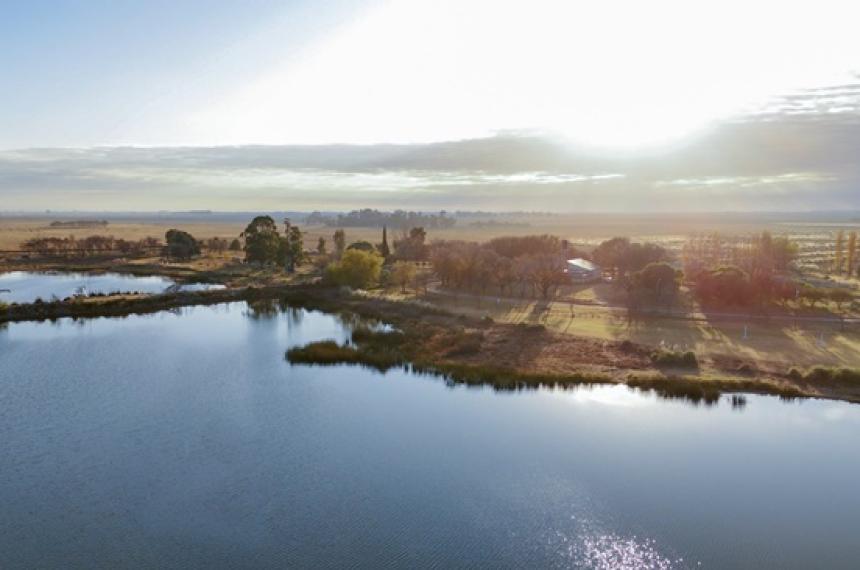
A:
(613, 106)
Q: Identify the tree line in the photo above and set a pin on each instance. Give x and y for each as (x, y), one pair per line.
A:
(89, 246)
(518, 265)
(752, 271)
(845, 255)
(177, 244)
(369, 218)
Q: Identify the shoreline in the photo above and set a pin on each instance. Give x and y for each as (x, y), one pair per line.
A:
(467, 350)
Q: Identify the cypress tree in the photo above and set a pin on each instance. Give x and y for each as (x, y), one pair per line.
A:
(383, 247)
(839, 252)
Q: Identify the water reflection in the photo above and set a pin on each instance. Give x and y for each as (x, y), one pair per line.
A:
(184, 440)
(263, 309)
(27, 287)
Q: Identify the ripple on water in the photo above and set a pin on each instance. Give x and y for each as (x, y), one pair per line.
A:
(613, 552)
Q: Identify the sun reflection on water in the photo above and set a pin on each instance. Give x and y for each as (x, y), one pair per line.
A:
(613, 552)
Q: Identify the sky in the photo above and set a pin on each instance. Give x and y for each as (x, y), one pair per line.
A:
(618, 105)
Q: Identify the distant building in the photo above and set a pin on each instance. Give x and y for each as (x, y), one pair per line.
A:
(582, 271)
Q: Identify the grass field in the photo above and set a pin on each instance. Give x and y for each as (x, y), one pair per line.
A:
(14, 231)
(815, 238)
(770, 344)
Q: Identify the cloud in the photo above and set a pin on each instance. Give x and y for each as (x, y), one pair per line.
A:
(770, 162)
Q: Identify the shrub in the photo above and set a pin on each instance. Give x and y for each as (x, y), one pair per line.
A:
(181, 245)
(465, 344)
(670, 358)
(362, 246)
(819, 374)
(364, 335)
(823, 374)
(329, 353)
(357, 269)
(403, 273)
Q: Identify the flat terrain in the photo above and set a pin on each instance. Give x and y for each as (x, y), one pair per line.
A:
(772, 344)
(670, 230)
(14, 231)
(588, 312)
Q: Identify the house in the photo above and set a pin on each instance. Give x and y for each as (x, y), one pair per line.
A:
(582, 271)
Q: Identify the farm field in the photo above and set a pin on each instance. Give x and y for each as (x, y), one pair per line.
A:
(669, 230)
(770, 344)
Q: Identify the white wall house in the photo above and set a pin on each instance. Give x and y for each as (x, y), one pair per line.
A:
(582, 271)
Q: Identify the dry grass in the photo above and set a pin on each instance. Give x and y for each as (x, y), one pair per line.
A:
(769, 345)
(14, 231)
(591, 228)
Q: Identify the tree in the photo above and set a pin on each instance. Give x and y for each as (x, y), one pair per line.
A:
(384, 250)
(339, 239)
(659, 279)
(181, 245)
(412, 246)
(515, 246)
(486, 262)
(840, 297)
(422, 279)
(235, 245)
(216, 245)
(444, 262)
(610, 254)
(851, 254)
(291, 251)
(839, 252)
(639, 255)
(402, 273)
(321, 246)
(727, 285)
(547, 272)
(362, 246)
(503, 273)
(522, 272)
(784, 252)
(785, 291)
(262, 242)
(813, 294)
(357, 269)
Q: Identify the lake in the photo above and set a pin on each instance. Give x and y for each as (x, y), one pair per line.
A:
(26, 287)
(185, 440)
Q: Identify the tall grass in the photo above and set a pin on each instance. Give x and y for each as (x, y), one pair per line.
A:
(827, 375)
(694, 390)
(670, 359)
(328, 353)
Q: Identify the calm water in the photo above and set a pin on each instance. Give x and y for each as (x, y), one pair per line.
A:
(26, 287)
(184, 440)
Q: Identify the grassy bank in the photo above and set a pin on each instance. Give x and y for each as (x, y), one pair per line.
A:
(404, 348)
(327, 353)
(122, 305)
(475, 351)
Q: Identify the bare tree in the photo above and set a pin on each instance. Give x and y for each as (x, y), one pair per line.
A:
(839, 252)
(851, 254)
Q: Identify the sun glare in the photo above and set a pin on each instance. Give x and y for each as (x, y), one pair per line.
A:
(610, 73)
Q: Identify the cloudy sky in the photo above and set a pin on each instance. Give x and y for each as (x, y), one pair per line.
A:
(559, 105)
